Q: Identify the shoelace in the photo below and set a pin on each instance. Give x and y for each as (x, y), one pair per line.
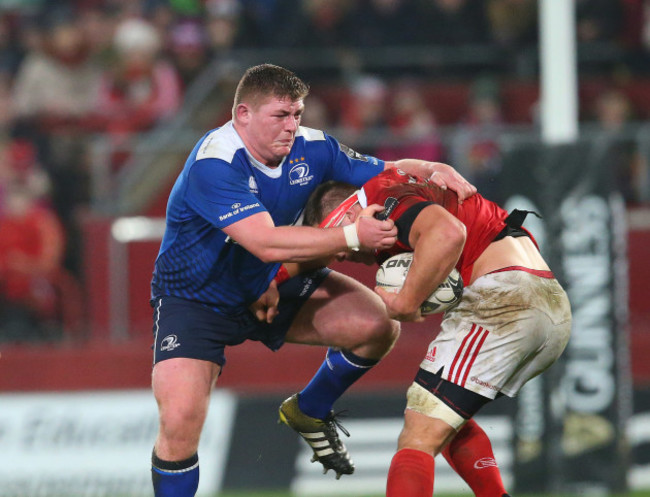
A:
(333, 418)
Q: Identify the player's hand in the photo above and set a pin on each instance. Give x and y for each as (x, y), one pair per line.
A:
(265, 308)
(446, 176)
(395, 308)
(374, 233)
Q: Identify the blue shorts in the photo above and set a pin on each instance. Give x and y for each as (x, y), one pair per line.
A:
(183, 328)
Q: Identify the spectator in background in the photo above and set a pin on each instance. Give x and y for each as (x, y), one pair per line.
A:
(613, 111)
(10, 50)
(229, 26)
(364, 117)
(98, 25)
(380, 23)
(413, 125)
(453, 22)
(54, 93)
(31, 251)
(222, 24)
(316, 23)
(599, 20)
(513, 23)
(188, 50)
(475, 147)
(56, 86)
(139, 90)
(19, 168)
(316, 114)
(618, 148)
(6, 106)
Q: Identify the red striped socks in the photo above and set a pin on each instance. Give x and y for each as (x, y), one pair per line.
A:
(410, 474)
(470, 455)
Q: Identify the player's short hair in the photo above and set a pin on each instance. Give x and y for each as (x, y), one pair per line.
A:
(324, 199)
(267, 80)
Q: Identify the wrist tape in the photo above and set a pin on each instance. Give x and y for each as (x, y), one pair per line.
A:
(351, 237)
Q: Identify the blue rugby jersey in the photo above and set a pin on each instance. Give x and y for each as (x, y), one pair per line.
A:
(221, 183)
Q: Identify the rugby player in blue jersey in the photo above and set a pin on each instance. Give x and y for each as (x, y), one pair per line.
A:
(231, 218)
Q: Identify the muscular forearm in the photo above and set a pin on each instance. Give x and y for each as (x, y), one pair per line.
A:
(271, 243)
(297, 244)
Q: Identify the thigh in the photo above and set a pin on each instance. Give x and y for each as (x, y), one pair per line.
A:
(342, 312)
(557, 338)
(181, 382)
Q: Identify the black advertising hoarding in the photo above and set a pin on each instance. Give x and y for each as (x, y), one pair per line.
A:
(570, 421)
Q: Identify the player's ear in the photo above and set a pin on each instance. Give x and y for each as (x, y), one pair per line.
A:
(242, 112)
(351, 215)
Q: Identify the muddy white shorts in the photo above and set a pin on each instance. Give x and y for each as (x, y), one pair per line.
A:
(509, 327)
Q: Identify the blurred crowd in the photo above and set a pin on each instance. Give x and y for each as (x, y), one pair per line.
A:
(74, 70)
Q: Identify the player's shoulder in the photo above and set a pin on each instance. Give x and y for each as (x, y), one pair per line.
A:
(311, 134)
(221, 143)
(392, 176)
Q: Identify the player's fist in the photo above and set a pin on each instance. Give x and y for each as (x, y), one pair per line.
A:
(395, 308)
(265, 307)
(375, 234)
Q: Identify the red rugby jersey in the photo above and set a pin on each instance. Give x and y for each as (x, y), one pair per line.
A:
(483, 218)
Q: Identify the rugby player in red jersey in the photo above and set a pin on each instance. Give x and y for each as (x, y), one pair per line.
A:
(512, 323)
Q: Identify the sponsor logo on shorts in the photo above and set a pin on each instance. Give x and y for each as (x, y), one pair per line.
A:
(431, 354)
(169, 343)
(485, 384)
(306, 286)
(485, 462)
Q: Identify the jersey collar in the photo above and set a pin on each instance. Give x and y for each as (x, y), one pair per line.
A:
(271, 172)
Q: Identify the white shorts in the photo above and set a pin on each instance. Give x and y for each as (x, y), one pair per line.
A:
(509, 327)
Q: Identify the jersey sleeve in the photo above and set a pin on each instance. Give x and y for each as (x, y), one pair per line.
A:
(220, 193)
(350, 166)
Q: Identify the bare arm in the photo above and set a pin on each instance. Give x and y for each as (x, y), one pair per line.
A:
(439, 173)
(438, 239)
(259, 235)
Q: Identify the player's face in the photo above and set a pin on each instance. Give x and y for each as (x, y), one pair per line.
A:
(272, 127)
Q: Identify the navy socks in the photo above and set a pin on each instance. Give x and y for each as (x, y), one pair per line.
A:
(175, 478)
(338, 372)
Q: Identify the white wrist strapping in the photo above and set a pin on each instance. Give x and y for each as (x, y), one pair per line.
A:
(351, 237)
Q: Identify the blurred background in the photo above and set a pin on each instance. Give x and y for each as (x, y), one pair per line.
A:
(102, 100)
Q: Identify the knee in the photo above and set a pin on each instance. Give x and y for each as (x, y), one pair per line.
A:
(181, 424)
(379, 334)
(389, 332)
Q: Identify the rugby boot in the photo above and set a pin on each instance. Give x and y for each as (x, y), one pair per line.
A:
(321, 435)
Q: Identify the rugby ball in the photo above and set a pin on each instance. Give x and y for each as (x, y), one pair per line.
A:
(392, 273)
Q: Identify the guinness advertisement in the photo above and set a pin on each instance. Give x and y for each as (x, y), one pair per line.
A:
(570, 421)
